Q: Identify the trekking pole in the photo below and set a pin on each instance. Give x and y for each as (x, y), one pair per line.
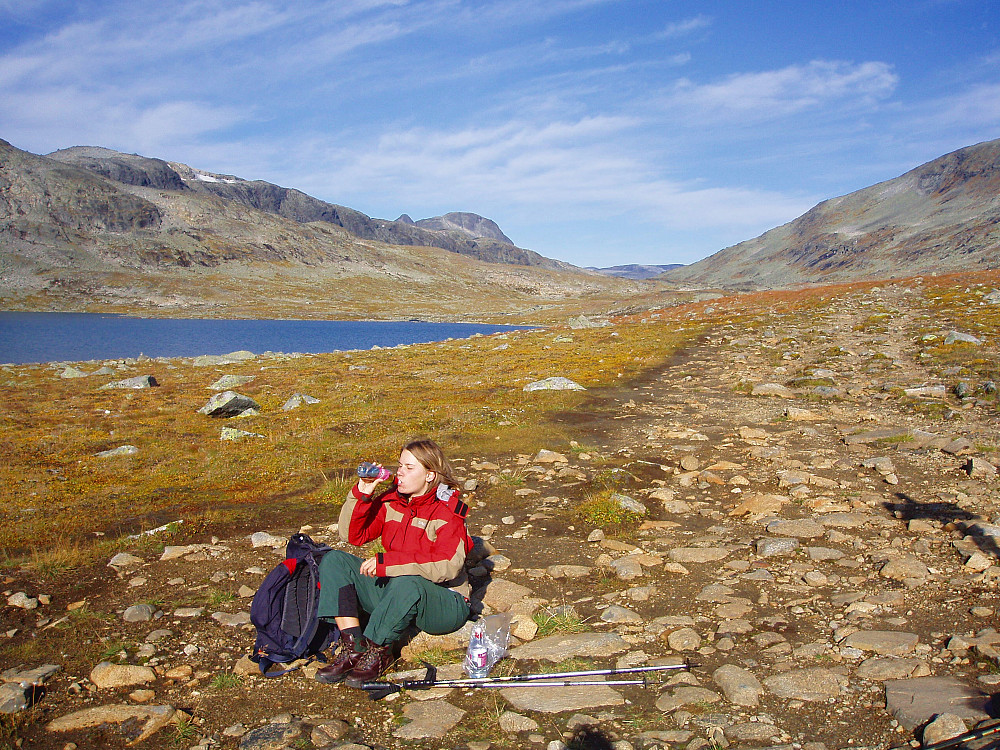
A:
(975, 734)
(377, 690)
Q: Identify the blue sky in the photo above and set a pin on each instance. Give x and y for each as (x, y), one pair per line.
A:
(597, 132)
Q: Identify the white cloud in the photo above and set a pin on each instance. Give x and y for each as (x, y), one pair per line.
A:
(573, 169)
(685, 27)
(776, 93)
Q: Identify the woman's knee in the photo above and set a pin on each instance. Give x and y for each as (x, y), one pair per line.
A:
(338, 567)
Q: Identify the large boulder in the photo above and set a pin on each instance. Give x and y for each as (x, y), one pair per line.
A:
(228, 404)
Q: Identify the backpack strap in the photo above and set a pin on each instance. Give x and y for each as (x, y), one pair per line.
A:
(451, 499)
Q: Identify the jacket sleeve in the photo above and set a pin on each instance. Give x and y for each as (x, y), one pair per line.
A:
(444, 560)
(360, 519)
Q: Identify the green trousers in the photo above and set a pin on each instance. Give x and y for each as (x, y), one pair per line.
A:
(392, 604)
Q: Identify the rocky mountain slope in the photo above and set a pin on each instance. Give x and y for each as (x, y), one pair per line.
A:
(817, 502)
(467, 234)
(91, 227)
(941, 217)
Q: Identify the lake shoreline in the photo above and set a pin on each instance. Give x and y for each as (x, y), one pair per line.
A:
(80, 338)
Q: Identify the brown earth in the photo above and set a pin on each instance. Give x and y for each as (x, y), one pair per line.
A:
(697, 409)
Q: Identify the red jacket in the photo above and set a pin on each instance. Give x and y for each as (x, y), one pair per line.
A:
(423, 535)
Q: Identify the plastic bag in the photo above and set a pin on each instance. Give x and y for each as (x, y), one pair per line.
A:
(488, 644)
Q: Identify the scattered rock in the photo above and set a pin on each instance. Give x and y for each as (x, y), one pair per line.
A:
(810, 684)
(228, 404)
(107, 675)
(554, 384)
(139, 382)
(122, 450)
(431, 719)
(151, 718)
(739, 685)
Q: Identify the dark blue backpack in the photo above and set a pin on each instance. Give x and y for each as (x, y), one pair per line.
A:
(284, 609)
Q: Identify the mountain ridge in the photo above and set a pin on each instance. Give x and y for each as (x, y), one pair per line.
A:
(942, 216)
(487, 243)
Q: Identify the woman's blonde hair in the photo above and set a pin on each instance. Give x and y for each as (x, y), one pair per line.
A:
(432, 458)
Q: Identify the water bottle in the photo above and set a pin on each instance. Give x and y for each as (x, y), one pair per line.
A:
(477, 657)
(368, 470)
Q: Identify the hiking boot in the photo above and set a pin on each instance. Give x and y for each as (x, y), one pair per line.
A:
(343, 662)
(372, 663)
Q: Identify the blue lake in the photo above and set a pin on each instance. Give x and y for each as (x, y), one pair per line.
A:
(58, 337)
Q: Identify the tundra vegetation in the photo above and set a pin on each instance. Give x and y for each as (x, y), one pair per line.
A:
(65, 511)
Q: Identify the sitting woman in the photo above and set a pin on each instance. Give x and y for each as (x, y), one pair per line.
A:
(420, 578)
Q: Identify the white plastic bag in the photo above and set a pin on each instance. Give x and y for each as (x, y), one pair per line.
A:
(488, 644)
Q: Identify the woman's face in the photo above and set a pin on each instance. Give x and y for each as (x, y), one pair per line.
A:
(412, 478)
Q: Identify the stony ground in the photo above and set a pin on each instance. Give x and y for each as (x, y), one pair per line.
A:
(818, 540)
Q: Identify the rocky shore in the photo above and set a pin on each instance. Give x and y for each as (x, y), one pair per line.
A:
(819, 534)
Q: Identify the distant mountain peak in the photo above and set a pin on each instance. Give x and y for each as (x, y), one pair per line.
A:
(471, 224)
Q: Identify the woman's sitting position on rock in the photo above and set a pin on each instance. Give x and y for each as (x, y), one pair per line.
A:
(418, 579)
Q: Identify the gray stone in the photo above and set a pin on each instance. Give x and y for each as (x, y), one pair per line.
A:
(776, 546)
(151, 718)
(267, 539)
(904, 567)
(501, 594)
(188, 613)
(811, 684)
(137, 383)
(14, 697)
(568, 571)
(271, 736)
(627, 568)
(121, 450)
(228, 404)
(944, 727)
(558, 648)
(328, 732)
(629, 504)
(715, 592)
(686, 696)
(22, 601)
(139, 613)
(739, 685)
(799, 528)
(431, 719)
(124, 560)
(926, 391)
(297, 400)
(107, 675)
(820, 554)
(698, 554)
(229, 620)
(231, 433)
(513, 722)
(916, 701)
(617, 614)
(70, 372)
(554, 384)
(844, 520)
(882, 669)
(882, 642)
(213, 360)
(954, 337)
(560, 699)
(980, 468)
(752, 731)
(36, 676)
(684, 639)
